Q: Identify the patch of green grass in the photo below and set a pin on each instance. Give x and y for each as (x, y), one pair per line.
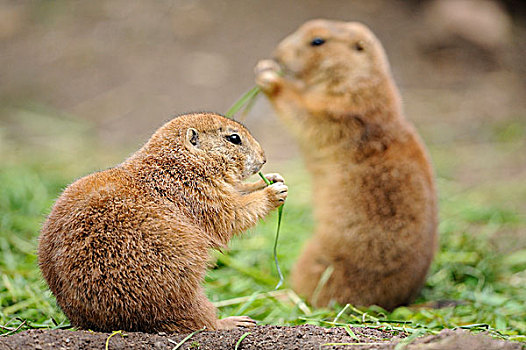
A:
(486, 282)
(26, 194)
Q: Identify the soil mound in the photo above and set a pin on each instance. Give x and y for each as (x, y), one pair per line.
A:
(261, 337)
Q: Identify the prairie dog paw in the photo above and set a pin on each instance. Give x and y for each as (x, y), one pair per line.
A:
(277, 193)
(267, 77)
(235, 322)
(267, 65)
(274, 177)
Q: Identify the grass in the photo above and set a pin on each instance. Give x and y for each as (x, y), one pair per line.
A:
(481, 263)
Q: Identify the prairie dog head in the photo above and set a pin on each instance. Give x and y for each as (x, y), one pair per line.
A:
(210, 140)
(332, 56)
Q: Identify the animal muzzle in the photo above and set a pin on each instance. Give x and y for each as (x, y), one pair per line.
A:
(256, 165)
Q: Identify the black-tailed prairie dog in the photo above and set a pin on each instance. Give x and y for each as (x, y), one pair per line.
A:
(375, 201)
(127, 248)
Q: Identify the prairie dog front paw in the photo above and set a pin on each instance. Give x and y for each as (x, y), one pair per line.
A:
(267, 65)
(267, 75)
(274, 177)
(277, 193)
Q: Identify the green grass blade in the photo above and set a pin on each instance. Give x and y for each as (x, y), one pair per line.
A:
(187, 337)
(241, 339)
(245, 99)
(275, 250)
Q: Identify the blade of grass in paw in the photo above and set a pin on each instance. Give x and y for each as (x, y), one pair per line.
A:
(280, 214)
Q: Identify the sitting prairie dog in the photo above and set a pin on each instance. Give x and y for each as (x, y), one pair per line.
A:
(127, 248)
(375, 201)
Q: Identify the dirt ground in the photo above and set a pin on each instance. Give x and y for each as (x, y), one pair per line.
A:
(262, 337)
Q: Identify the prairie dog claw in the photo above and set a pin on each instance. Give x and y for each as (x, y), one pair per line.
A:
(235, 322)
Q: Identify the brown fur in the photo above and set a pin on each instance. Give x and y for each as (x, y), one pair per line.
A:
(127, 248)
(375, 198)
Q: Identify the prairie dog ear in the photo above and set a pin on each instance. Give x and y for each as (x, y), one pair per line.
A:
(191, 140)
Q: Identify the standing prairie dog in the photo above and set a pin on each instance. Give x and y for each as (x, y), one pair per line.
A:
(127, 248)
(375, 204)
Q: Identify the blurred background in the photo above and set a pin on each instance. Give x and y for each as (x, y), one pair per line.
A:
(87, 77)
(123, 68)
(85, 83)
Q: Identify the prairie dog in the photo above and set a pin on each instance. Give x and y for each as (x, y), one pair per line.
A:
(375, 204)
(127, 248)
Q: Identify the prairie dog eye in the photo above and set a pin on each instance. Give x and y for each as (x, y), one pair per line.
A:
(317, 42)
(359, 46)
(234, 138)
